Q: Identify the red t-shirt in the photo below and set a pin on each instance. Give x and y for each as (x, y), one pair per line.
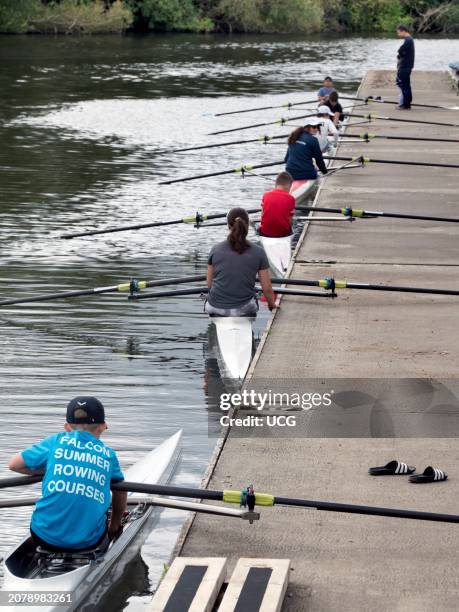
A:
(276, 218)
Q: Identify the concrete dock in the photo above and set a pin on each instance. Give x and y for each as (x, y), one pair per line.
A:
(391, 360)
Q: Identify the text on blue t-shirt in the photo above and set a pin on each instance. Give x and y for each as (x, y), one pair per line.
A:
(72, 512)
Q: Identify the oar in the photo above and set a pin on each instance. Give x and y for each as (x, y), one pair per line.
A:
(371, 214)
(366, 137)
(252, 499)
(379, 100)
(247, 497)
(400, 162)
(287, 105)
(196, 220)
(132, 286)
(333, 284)
(373, 117)
(262, 139)
(242, 170)
(361, 158)
(154, 501)
(205, 290)
(281, 121)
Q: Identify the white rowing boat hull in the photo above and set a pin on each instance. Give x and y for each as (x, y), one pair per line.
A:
(235, 344)
(279, 253)
(154, 468)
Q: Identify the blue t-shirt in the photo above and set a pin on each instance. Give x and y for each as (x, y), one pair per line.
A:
(72, 512)
(325, 91)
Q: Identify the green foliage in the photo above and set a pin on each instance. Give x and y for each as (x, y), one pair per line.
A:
(434, 15)
(366, 15)
(91, 16)
(269, 15)
(168, 15)
(65, 17)
(15, 14)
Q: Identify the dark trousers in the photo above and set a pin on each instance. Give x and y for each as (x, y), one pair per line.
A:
(102, 543)
(404, 84)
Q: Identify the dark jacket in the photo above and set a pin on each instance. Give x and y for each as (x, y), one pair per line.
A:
(300, 156)
(405, 55)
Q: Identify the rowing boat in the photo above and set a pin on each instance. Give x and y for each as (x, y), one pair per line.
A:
(78, 574)
(278, 252)
(235, 345)
(304, 191)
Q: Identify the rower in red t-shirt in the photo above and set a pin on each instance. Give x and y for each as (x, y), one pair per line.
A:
(277, 208)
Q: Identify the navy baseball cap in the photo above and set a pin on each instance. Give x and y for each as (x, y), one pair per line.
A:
(85, 409)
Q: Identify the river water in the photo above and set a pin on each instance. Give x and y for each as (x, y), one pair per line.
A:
(85, 125)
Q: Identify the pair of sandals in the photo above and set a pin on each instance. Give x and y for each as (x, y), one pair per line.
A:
(398, 468)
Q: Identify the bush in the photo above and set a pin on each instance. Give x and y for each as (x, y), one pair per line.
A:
(376, 15)
(166, 15)
(73, 17)
(15, 14)
(269, 15)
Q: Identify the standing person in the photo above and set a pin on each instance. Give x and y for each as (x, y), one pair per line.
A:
(303, 150)
(232, 269)
(325, 90)
(278, 206)
(335, 106)
(326, 129)
(77, 471)
(405, 64)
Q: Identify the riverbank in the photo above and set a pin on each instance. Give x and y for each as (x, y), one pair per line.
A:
(227, 16)
(390, 362)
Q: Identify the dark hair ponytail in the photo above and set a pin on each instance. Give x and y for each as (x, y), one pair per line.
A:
(293, 137)
(238, 222)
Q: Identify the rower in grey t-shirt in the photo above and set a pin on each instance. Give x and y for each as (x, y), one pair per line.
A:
(234, 276)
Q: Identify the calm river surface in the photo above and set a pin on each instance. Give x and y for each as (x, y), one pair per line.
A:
(84, 124)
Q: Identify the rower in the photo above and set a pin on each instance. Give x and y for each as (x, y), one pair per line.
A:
(303, 150)
(278, 206)
(325, 90)
(77, 471)
(232, 269)
(336, 108)
(327, 134)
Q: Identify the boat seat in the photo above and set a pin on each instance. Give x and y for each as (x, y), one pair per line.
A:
(84, 553)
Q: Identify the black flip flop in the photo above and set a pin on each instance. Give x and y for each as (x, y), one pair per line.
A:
(430, 474)
(393, 468)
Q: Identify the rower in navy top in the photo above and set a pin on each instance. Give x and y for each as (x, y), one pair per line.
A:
(303, 150)
(405, 64)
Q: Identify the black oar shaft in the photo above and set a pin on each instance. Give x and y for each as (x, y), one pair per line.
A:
(371, 214)
(172, 293)
(376, 117)
(124, 287)
(260, 108)
(241, 170)
(19, 481)
(366, 136)
(194, 219)
(369, 510)
(379, 100)
(125, 228)
(281, 121)
(401, 289)
(397, 162)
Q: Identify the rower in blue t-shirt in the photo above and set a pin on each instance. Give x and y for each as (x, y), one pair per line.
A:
(325, 90)
(78, 469)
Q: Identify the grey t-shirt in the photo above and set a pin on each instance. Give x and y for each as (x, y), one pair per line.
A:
(234, 274)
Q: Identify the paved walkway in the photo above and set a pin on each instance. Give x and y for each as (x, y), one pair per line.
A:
(391, 361)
